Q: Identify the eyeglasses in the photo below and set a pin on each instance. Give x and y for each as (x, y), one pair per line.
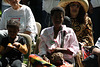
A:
(75, 5)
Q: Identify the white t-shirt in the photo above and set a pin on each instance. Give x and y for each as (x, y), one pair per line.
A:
(24, 15)
(49, 4)
(95, 3)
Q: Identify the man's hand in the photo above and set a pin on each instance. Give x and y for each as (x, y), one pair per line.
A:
(17, 45)
(10, 45)
(46, 59)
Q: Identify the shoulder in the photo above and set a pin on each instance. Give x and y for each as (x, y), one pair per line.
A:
(25, 7)
(47, 30)
(7, 10)
(21, 37)
(27, 10)
(88, 20)
(67, 29)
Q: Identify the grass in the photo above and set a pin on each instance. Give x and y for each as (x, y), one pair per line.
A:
(0, 13)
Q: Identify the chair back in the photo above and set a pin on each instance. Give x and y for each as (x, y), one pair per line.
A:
(36, 50)
(29, 44)
(38, 28)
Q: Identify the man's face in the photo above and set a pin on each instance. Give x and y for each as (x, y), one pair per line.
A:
(13, 2)
(74, 8)
(57, 18)
(12, 32)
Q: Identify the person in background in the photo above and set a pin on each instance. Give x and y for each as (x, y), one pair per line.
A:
(81, 23)
(94, 59)
(67, 21)
(36, 7)
(13, 46)
(94, 13)
(51, 38)
(47, 5)
(21, 13)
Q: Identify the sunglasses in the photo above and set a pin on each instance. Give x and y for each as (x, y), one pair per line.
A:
(75, 5)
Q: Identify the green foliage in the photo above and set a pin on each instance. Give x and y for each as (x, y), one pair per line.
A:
(0, 13)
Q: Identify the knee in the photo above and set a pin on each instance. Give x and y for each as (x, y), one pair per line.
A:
(16, 63)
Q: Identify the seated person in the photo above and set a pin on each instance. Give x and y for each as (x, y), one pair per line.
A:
(58, 38)
(13, 46)
(67, 22)
(94, 59)
(21, 13)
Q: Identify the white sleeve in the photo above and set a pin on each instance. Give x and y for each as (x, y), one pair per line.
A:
(42, 45)
(3, 22)
(30, 23)
(42, 48)
(98, 43)
(74, 46)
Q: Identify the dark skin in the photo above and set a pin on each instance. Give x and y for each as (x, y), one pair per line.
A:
(57, 20)
(12, 32)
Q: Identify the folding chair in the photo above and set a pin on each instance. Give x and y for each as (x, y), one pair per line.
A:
(29, 44)
(35, 46)
(38, 28)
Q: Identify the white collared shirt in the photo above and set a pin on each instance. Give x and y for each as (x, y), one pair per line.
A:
(70, 42)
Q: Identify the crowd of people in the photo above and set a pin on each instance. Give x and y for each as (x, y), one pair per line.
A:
(67, 27)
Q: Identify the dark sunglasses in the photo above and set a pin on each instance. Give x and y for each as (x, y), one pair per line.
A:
(77, 5)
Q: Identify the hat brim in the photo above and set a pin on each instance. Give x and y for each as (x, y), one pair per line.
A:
(35, 58)
(84, 3)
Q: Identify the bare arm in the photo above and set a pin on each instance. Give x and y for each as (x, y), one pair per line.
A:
(63, 50)
(20, 47)
(27, 32)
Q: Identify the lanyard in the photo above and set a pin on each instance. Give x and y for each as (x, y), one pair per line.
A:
(63, 33)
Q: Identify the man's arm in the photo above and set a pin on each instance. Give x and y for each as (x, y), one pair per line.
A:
(22, 48)
(27, 32)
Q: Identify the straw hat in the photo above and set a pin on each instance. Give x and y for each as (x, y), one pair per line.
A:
(84, 3)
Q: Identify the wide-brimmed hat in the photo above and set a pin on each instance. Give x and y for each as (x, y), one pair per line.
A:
(84, 3)
(33, 58)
